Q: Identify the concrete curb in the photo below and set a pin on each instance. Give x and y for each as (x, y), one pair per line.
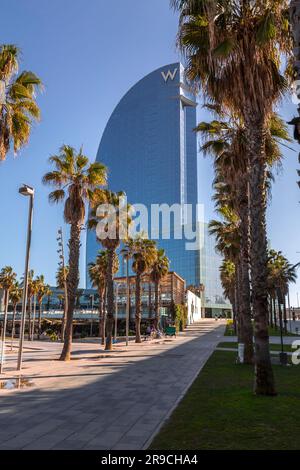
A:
(169, 413)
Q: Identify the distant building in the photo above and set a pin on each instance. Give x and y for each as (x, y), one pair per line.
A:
(150, 148)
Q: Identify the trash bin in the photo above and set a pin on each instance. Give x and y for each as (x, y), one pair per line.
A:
(283, 357)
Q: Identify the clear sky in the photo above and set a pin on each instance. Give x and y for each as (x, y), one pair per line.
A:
(88, 54)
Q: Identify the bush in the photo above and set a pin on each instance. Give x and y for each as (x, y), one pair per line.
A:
(180, 316)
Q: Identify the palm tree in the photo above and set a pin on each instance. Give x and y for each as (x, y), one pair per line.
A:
(30, 293)
(228, 244)
(159, 270)
(76, 181)
(111, 217)
(229, 284)
(236, 51)
(143, 253)
(34, 290)
(280, 274)
(43, 290)
(97, 273)
(15, 298)
(7, 282)
(18, 108)
(61, 283)
(226, 141)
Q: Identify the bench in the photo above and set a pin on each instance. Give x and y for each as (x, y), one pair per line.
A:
(170, 331)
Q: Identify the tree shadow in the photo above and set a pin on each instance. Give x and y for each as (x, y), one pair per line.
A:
(119, 408)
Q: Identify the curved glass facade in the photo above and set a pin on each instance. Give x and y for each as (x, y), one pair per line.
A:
(150, 148)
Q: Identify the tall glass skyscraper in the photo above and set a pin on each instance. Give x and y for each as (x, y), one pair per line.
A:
(150, 148)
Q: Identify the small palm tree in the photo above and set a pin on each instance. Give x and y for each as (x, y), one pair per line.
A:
(18, 108)
(16, 294)
(159, 270)
(97, 273)
(111, 217)
(34, 290)
(7, 282)
(30, 293)
(76, 181)
(229, 284)
(43, 290)
(280, 274)
(143, 253)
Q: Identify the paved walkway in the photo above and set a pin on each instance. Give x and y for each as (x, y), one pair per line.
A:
(115, 400)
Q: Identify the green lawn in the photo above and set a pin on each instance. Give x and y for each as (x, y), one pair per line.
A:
(273, 347)
(221, 412)
(229, 331)
(274, 332)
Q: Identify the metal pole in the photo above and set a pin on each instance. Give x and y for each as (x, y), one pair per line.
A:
(25, 288)
(128, 301)
(290, 313)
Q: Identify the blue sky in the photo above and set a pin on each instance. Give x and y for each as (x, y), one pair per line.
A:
(88, 53)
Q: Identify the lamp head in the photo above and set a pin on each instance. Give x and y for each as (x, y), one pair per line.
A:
(26, 190)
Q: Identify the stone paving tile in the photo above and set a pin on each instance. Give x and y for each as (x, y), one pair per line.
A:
(49, 440)
(102, 400)
(107, 439)
(69, 444)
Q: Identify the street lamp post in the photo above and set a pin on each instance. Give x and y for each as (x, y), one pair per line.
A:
(25, 190)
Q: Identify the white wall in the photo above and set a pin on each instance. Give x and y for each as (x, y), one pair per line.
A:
(194, 307)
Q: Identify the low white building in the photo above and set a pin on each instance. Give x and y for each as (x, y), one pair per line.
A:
(194, 307)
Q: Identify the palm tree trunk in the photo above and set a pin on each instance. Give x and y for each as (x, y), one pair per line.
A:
(4, 331)
(274, 313)
(233, 304)
(13, 327)
(156, 291)
(271, 312)
(100, 329)
(150, 301)
(245, 298)
(40, 319)
(138, 307)
(238, 303)
(73, 281)
(104, 316)
(264, 377)
(285, 314)
(64, 320)
(33, 318)
(246, 332)
(29, 316)
(110, 301)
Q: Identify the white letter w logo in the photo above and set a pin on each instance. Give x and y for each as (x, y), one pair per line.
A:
(168, 75)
